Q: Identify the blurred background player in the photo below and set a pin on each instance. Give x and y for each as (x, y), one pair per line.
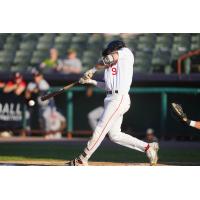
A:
(151, 138)
(95, 114)
(16, 85)
(50, 119)
(56, 124)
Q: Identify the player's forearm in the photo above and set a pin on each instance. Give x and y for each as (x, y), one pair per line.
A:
(194, 124)
(101, 85)
(8, 89)
(99, 66)
(96, 68)
(97, 83)
(20, 90)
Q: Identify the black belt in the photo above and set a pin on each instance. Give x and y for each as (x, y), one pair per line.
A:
(112, 92)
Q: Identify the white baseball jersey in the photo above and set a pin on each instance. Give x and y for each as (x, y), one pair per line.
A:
(119, 76)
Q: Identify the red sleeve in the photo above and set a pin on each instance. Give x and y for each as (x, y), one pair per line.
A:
(9, 83)
(23, 84)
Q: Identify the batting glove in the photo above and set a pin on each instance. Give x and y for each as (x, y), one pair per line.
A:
(87, 81)
(89, 74)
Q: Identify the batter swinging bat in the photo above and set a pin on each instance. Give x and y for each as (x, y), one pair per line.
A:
(60, 91)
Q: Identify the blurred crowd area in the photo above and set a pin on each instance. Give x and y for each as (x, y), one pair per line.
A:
(21, 103)
(72, 53)
(21, 107)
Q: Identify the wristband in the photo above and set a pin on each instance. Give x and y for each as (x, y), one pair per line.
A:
(192, 123)
(93, 82)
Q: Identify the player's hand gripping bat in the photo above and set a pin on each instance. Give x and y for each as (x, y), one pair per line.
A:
(60, 91)
(87, 75)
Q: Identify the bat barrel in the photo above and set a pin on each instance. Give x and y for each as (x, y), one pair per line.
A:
(53, 94)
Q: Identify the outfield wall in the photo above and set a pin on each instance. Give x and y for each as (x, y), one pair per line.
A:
(150, 109)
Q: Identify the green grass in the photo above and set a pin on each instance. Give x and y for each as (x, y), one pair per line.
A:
(113, 153)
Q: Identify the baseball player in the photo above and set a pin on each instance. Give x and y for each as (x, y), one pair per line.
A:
(117, 61)
(179, 113)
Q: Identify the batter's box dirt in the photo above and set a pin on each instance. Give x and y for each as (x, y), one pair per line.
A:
(62, 163)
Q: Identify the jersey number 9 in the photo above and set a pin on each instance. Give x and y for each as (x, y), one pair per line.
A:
(114, 70)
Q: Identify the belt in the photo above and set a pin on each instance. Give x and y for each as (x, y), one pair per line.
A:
(112, 92)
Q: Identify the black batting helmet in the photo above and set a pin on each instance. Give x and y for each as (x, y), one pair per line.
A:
(113, 46)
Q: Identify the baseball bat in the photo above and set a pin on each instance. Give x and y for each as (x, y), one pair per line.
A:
(60, 91)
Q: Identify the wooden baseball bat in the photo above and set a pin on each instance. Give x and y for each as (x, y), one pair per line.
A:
(60, 91)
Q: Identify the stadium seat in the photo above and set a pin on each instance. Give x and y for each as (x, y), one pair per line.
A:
(31, 37)
(62, 49)
(66, 35)
(89, 58)
(47, 38)
(182, 38)
(80, 38)
(142, 62)
(168, 69)
(96, 39)
(95, 43)
(2, 41)
(44, 46)
(10, 47)
(6, 58)
(63, 40)
(147, 38)
(148, 47)
(142, 65)
(179, 49)
(164, 38)
(28, 46)
(195, 46)
(162, 47)
(62, 43)
(159, 60)
(11, 39)
(159, 63)
(22, 58)
(108, 38)
(39, 56)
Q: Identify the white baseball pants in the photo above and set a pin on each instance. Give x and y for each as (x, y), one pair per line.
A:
(115, 106)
